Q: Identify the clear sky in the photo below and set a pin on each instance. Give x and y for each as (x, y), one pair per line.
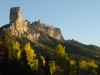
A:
(77, 19)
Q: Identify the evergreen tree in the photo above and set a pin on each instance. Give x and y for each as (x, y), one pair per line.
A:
(8, 44)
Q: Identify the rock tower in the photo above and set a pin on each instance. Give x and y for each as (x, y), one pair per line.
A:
(18, 26)
(15, 14)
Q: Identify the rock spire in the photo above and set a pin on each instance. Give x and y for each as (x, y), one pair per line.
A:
(15, 14)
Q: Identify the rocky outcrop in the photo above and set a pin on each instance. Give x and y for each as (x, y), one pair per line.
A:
(50, 30)
(16, 20)
(34, 31)
(15, 14)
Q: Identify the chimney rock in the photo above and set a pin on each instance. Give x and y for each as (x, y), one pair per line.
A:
(15, 14)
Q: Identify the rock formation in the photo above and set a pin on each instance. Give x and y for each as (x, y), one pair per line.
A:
(15, 14)
(16, 20)
(34, 31)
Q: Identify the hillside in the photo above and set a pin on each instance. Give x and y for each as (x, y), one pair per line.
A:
(36, 48)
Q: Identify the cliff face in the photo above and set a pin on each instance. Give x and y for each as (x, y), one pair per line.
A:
(34, 31)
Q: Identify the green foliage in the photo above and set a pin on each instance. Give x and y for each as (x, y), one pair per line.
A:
(8, 43)
(12, 46)
(85, 51)
(62, 59)
(7, 38)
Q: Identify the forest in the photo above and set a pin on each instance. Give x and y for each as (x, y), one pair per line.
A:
(19, 56)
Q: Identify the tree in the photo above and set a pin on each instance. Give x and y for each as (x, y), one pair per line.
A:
(92, 68)
(16, 51)
(62, 58)
(88, 67)
(41, 67)
(8, 43)
(30, 56)
(72, 67)
(52, 67)
(60, 50)
(92, 64)
(83, 64)
(42, 60)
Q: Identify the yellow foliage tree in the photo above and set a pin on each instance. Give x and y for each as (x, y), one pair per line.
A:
(72, 62)
(30, 55)
(92, 64)
(60, 49)
(83, 64)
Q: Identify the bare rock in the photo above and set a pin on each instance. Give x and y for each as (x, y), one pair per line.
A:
(23, 28)
(15, 14)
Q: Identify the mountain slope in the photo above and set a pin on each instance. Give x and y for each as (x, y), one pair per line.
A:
(46, 36)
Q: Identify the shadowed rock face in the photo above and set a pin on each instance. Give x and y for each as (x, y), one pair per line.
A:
(34, 31)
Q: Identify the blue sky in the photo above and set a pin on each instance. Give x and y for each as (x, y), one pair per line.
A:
(77, 19)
